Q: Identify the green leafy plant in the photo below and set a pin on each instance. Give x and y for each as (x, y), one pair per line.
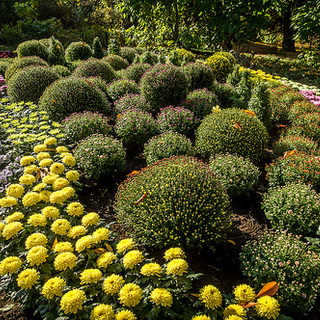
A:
(283, 257)
(300, 107)
(227, 94)
(148, 57)
(100, 156)
(97, 51)
(175, 201)
(294, 207)
(55, 52)
(78, 51)
(166, 145)
(119, 88)
(231, 131)
(32, 48)
(131, 100)
(128, 53)
(116, 62)
(62, 71)
(239, 175)
(136, 70)
(221, 65)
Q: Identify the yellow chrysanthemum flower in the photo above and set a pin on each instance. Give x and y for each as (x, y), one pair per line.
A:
(267, 307)
(65, 260)
(234, 317)
(10, 265)
(161, 297)
(28, 278)
(72, 301)
(130, 295)
(210, 296)
(201, 317)
(106, 259)
(39, 148)
(64, 154)
(174, 253)
(11, 229)
(16, 216)
(43, 155)
(60, 183)
(61, 149)
(51, 212)
(27, 160)
(151, 269)
(69, 191)
(234, 309)
(8, 202)
(63, 247)
(244, 293)
(77, 231)
(90, 276)
(132, 258)
(30, 169)
(47, 162)
(15, 190)
(50, 141)
(102, 312)
(30, 199)
(50, 178)
(53, 287)
(36, 239)
(90, 219)
(125, 315)
(60, 226)
(37, 255)
(69, 161)
(59, 196)
(177, 267)
(27, 179)
(39, 187)
(112, 284)
(37, 220)
(125, 245)
(101, 234)
(84, 243)
(75, 209)
(73, 175)
(57, 168)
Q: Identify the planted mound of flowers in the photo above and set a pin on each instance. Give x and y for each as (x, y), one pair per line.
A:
(64, 260)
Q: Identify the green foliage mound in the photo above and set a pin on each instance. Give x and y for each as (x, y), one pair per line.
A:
(201, 102)
(135, 127)
(97, 51)
(131, 100)
(148, 57)
(231, 131)
(71, 95)
(28, 84)
(3, 66)
(55, 52)
(136, 70)
(175, 201)
(300, 107)
(164, 85)
(227, 94)
(83, 124)
(119, 88)
(61, 70)
(239, 175)
(294, 142)
(95, 68)
(284, 258)
(201, 75)
(116, 62)
(177, 119)
(78, 51)
(32, 48)
(100, 156)
(128, 53)
(23, 63)
(166, 145)
(221, 65)
(99, 83)
(294, 207)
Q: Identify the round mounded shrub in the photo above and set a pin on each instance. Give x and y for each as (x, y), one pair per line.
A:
(239, 175)
(227, 55)
(128, 53)
(177, 119)
(131, 100)
(294, 142)
(23, 63)
(61, 70)
(166, 145)
(78, 51)
(135, 127)
(231, 131)
(99, 83)
(116, 62)
(100, 156)
(294, 207)
(294, 166)
(177, 201)
(227, 94)
(70, 95)
(284, 258)
(220, 65)
(3, 66)
(95, 68)
(135, 71)
(148, 57)
(32, 48)
(300, 107)
(83, 124)
(201, 75)
(119, 88)
(164, 85)
(201, 102)
(28, 84)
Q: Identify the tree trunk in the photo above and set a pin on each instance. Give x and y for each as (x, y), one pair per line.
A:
(288, 43)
